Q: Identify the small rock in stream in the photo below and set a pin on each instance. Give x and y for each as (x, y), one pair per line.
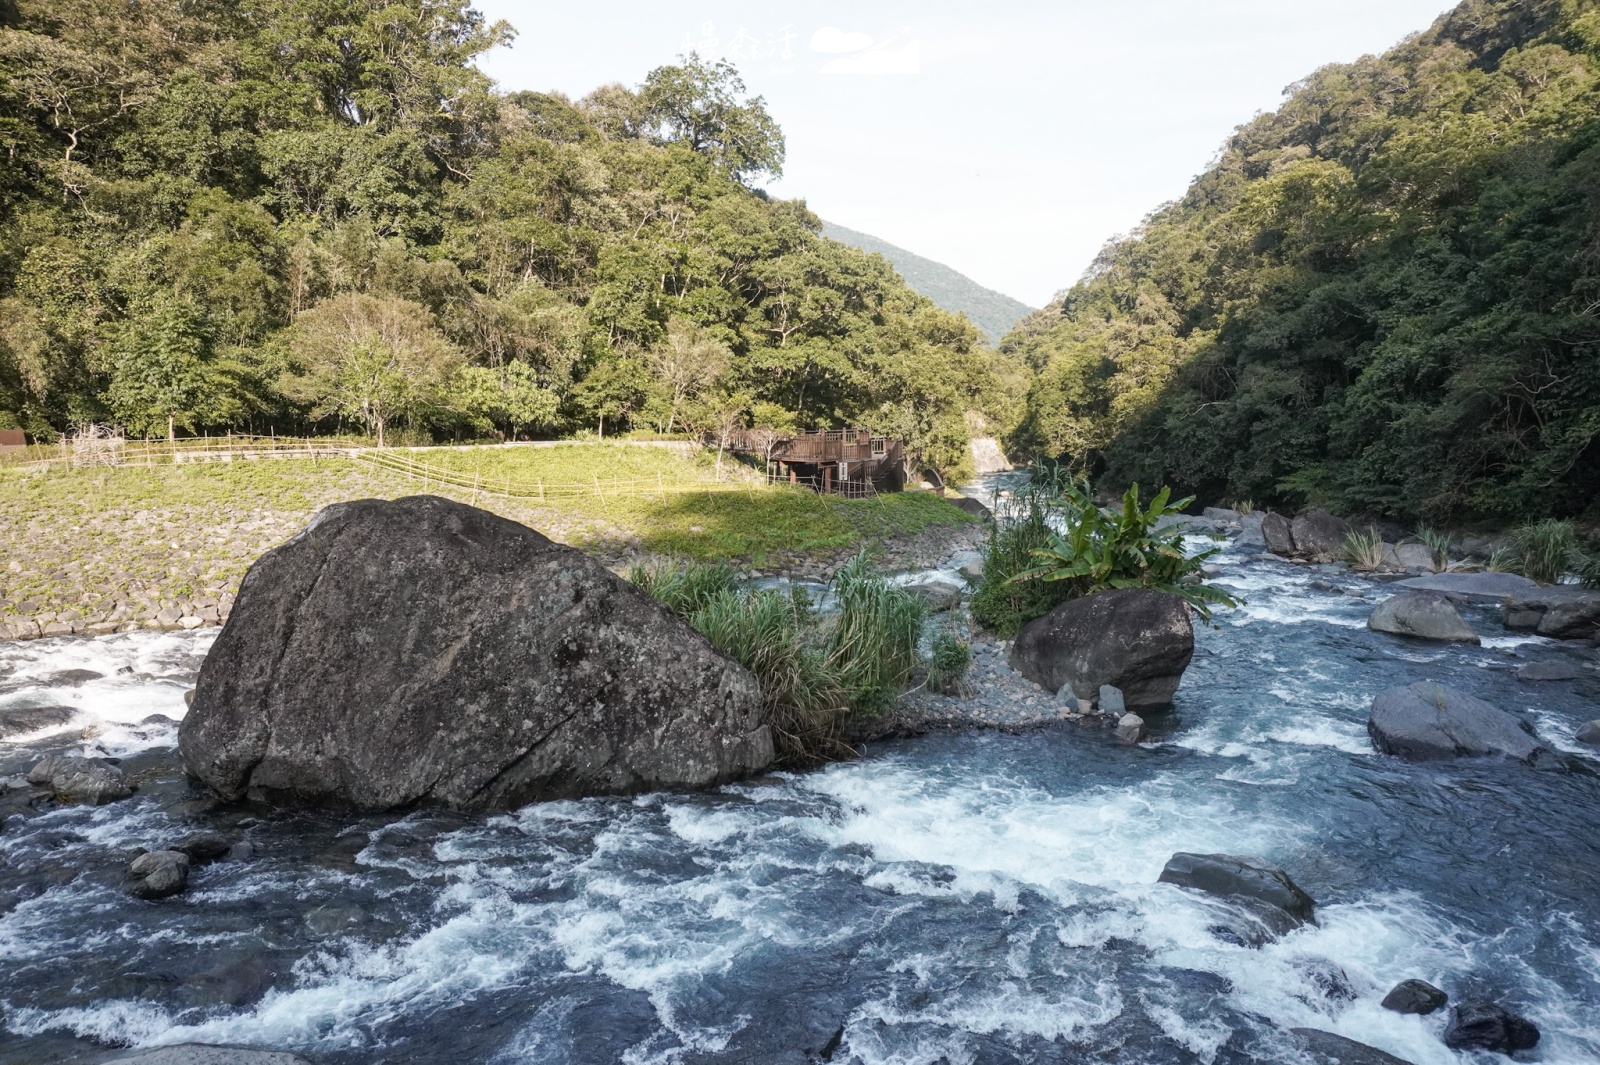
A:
(1487, 1026)
(1589, 732)
(1326, 1048)
(158, 874)
(1414, 996)
(204, 846)
(1265, 890)
(75, 779)
(1539, 671)
(1129, 728)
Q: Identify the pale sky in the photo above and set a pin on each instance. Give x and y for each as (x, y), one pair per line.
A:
(1007, 140)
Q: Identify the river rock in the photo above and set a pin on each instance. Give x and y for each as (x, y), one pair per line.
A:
(1478, 587)
(1134, 639)
(1535, 672)
(1250, 531)
(72, 778)
(1278, 534)
(1560, 612)
(1423, 615)
(1319, 536)
(1265, 890)
(19, 720)
(423, 651)
(158, 874)
(1414, 557)
(1589, 732)
(1129, 728)
(1414, 996)
(1326, 1048)
(208, 1054)
(1486, 1026)
(204, 846)
(1223, 515)
(939, 595)
(975, 507)
(1427, 722)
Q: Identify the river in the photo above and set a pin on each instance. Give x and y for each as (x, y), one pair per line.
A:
(959, 897)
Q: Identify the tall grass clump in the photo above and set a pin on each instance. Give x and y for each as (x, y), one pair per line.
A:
(949, 658)
(1363, 550)
(1547, 550)
(1023, 524)
(872, 643)
(1438, 542)
(684, 587)
(814, 671)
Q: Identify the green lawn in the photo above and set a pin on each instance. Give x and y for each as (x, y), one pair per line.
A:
(169, 532)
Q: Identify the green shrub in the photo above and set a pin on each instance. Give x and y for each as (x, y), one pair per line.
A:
(949, 657)
(1124, 549)
(1363, 550)
(1547, 550)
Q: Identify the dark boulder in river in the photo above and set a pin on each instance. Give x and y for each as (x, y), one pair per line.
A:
(1278, 534)
(1486, 1026)
(1134, 639)
(1427, 722)
(423, 651)
(1414, 996)
(1326, 1048)
(1265, 890)
(1561, 612)
(1319, 536)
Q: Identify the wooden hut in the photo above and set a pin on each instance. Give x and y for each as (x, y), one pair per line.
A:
(849, 462)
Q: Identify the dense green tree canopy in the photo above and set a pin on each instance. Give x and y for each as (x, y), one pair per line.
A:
(315, 213)
(1384, 297)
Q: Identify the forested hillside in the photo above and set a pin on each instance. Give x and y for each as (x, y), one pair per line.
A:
(1384, 297)
(994, 313)
(317, 215)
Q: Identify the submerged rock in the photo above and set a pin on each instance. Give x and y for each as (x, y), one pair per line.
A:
(1326, 1048)
(1423, 615)
(204, 846)
(72, 778)
(1589, 732)
(1486, 1026)
(1414, 996)
(1265, 890)
(1319, 536)
(158, 874)
(19, 720)
(1534, 672)
(1427, 722)
(1479, 587)
(939, 595)
(208, 1054)
(423, 651)
(1560, 612)
(1134, 639)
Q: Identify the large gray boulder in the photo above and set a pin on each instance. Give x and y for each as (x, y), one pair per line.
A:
(158, 874)
(72, 778)
(1561, 612)
(1264, 890)
(1483, 1025)
(1427, 722)
(1278, 534)
(1423, 615)
(1134, 639)
(423, 651)
(1319, 536)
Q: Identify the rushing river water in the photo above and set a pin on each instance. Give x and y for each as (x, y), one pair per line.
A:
(959, 898)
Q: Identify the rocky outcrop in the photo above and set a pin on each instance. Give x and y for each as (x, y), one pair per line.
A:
(1560, 612)
(423, 651)
(72, 778)
(1326, 1048)
(1265, 890)
(1474, 587)
(1427, 722)
(939, 595)
(1319, 536)
(1486, 1026)
(1423, 615)
(158, 874)
(1134, 639)
(1278, 534)
(1414, 996)
(975, 507)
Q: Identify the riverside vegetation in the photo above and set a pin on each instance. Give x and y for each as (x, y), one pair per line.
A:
(207, 223)
(1383, 298)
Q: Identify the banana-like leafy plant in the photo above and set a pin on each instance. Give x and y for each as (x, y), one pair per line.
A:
(1125, 549)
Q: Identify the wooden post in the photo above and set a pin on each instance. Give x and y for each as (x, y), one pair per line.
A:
(541, 489)
(597, 491)
(661, 486)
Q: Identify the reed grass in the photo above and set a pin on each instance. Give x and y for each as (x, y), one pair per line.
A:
(1547, 550)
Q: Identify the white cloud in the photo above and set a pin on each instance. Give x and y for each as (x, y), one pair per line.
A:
(906, 60)
(833, 40)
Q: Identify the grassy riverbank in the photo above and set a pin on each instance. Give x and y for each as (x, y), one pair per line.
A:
(81, 539)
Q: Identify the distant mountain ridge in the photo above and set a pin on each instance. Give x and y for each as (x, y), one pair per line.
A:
(993, 312)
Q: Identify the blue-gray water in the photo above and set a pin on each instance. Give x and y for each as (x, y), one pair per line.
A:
(956, 898)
